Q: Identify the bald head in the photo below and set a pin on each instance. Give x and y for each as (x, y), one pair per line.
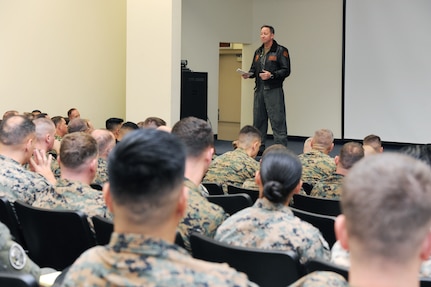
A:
(105, 141)
(15, 130)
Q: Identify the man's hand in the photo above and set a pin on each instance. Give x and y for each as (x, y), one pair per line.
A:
(41, 164)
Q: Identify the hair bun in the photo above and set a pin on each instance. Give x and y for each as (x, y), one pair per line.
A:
(273, 190)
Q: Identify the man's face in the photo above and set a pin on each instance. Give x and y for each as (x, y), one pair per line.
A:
(265, 35)
(74, 114)
(62, 128)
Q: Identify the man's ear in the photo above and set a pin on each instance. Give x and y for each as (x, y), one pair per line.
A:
(341, 231)
(107, 197)
(426, 247)
(336, 159)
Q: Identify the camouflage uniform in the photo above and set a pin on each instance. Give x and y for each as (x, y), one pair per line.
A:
(273, 226)
(74, 195)
(201, 215)
(232, 167)
(250, 184)
(341, 257)
(13, 257)
(137, 260)
(321, 278)
(329, 187)
(20, 183)
(102, 172)
(316, 165)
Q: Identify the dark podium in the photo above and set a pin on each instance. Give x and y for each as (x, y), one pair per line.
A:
(194, 95)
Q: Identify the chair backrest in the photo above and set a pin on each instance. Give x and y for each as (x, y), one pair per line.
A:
(231, 203)
(8, 217)
(103, 228)
(324, 223)
(213, 188)
(254, 194)
(264, 267)
(307, 187)
(323, 265)
(317, 205)
(55, 238)
(9, 279)
(96, 186)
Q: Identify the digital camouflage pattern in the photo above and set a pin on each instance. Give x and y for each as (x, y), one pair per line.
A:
(321, 278)
(232, 167)
(74, 195)
(19, 183)
(329, 187)
(201, 215)
(250, 184)
(13, 258)
(102, 172)
(315, 166)
(268, 225)
(136, 260)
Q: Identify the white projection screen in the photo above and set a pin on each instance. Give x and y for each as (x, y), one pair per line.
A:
(387, 79)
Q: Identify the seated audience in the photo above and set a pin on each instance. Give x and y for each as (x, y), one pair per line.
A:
(79, 125)
(17, 134)
(235, 167)
(60, 131)
(105, 142)
(13, 258)
(386, 221)
(270, 223)
(147, 196)
(78, 164)
(331, 186)
(114, 125)
(317, 163)
(201, 215)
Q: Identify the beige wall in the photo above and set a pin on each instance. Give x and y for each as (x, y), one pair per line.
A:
(55, 55)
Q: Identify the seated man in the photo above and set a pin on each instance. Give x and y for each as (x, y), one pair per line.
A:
(113, 125)
(201, 215)
(235, 167)
(126, 128)
(372, 144)
(331, 186)
(270, 223)
(13, 257)
(78, 164)
(317, 163)
(17, 134)
(146, 193)
(386, 221)
(106, 142)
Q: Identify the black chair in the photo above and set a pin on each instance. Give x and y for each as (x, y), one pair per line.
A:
(264, 267)
(8, 217)
(96, 186)
(317, 205)
(103, 228)
(307, 187)
(231, 203)
(254, 194)
(322, 265)
(9, 279)
(213, 188)
(55, 238)
(324, 223)
(425, 282)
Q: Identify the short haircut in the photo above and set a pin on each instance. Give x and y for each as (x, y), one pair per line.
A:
(57, 120)
(419, 151)
(78, 125)
(280, 172)
(14, 130)
(386, 200)
(104, 138)
(247, 135)
(129, 126)
(271, 29)
(350, 153)
(76, 149)
(43, 127)
(196, 134)
(69, 112)
(112, 123)
(145, 170)
(153, 122)
(323, 139)
(374, 141)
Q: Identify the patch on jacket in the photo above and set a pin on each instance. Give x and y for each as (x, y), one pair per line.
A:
(285, 54)
(272, 58)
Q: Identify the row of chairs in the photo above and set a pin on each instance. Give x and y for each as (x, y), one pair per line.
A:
(216, 189)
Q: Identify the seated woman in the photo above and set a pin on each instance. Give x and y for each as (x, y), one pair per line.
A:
(269, 223)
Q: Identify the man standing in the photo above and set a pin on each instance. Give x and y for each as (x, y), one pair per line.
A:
(271, 65)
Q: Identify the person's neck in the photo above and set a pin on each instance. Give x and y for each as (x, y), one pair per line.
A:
(268, 45)
(84, 177)
(14, 154)
(382, 275)
(195, 170)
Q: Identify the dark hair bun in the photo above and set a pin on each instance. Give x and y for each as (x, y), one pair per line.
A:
(273, 191)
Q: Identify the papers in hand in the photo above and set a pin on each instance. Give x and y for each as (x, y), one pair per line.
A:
(242, 72)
